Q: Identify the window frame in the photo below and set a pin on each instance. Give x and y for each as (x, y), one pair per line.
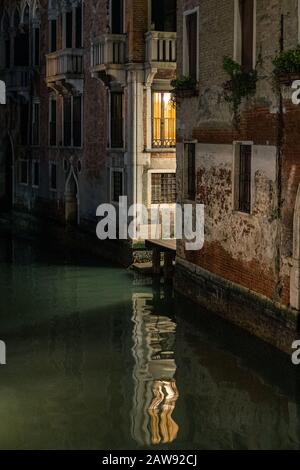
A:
(72, 123)
(237, 44)
(185, 55)
(51, 99)
(111, 146)
(188, 196)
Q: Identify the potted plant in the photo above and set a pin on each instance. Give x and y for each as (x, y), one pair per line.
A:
(287, 66)
(184, 87)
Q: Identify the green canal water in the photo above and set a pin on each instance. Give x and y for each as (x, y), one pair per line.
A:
(98, 358)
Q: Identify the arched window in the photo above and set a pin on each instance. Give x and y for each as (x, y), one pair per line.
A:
(21, 40)
(26, 13)
(6, 43)
(36, 34)
(16, 19)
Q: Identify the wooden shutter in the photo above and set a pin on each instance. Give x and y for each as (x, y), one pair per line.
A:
(191, 27)
(247, 11)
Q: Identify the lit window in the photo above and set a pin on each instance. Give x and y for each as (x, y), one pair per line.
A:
(164, 121)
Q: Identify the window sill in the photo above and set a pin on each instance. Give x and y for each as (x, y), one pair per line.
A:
(242, 214)
(116, 149)
(161, 150)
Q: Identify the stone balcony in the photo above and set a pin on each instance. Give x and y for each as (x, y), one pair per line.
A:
(64, 71)
(108, 56)
(17, 81)
(161, 49)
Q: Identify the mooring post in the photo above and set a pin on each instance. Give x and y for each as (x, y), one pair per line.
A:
(169, 257)
(156, 260)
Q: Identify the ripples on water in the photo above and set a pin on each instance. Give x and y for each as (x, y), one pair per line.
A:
(100, 359)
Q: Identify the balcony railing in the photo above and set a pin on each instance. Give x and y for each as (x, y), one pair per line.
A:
(64, 63)
(108, 50)
(17, 78)
(161, 47)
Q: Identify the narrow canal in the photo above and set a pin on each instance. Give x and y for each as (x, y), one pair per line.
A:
(100, 359)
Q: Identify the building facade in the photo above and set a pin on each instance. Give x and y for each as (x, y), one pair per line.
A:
(238, 154)
(88, 115)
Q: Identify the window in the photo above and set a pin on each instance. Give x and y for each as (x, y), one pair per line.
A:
(69, 29)
(52, 122)
(35, 174)
(24, 172)
(36, 46)
(116, 16)
(77, 121)
(246, 9)
(72, 28)
(67, 116)
(53, 35)
(163, 15)
(72, 117)
(78, 38)
(116, 120)
(191, 45)
(24, 124)
(163, 121)
(36, 124)
(244, 41)
(190, 165)
(53, 176)
(243, 177)
(163, 188)
(117, 185)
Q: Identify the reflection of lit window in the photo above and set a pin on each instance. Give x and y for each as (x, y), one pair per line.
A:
(164, 121)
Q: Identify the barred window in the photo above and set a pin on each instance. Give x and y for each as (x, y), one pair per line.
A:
(244, 200)
(117, 185)
(163, 188)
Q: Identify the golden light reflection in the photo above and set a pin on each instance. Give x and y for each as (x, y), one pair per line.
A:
(155, 390)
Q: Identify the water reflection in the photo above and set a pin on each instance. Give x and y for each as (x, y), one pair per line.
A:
(155, 390)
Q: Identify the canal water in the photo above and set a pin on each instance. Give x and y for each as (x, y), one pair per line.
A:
(98, 358)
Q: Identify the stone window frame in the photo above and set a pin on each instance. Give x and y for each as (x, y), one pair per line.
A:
(235, 177)
(52, 97)
(185, 59)
(237, 42)
(36, 101)
(116, 89)
(124, 16)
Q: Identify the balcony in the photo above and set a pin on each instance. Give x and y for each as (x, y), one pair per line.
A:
(64, 70)
(161, 49)
(108, 56)
(18, 81)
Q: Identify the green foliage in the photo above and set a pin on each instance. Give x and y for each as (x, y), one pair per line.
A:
(184, 83)
(240, 85)
(287, 62)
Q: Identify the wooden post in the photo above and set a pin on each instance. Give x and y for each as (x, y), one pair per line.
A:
(168, 265)
(156, 261)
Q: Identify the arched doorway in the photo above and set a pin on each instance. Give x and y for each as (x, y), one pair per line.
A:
(6, 175)
(71, 199)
